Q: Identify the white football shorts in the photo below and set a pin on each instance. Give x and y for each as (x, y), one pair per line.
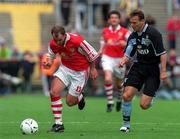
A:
(75, 81)
(110, 63)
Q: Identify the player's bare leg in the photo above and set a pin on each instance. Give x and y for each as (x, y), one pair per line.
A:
(73, 100)
(108, 85)
(146, 101)
(57, 87)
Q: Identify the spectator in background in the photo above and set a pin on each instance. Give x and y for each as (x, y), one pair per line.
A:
(81, 10)
(169, 89)
(126, 7)
(4, 86)
(175, 68)
(5, 54)
(9, 69)
(27, 64)
(171, 27)
(5, 51)
(176, 4)
(105, 8)
(65, 7)
(172, 63)
(14, 67)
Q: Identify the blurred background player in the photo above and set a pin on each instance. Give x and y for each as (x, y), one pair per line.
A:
(147, 43)
(47, 73)
(78, 61)
(113, 42)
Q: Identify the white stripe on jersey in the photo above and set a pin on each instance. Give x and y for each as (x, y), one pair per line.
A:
(127, 35)
(92, 53)
(102, 42)
(51, 53)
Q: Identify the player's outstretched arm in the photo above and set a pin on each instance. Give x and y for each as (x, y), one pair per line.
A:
(93, 71)
(163, 73)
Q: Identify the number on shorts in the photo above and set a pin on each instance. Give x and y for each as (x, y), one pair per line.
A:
(78, 89)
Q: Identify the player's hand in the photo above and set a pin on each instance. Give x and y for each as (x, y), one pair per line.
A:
(123, 61)
(163, 75)
(122, 43)
(46, 65)
(100, 52)
(47, 62)
(93, 73)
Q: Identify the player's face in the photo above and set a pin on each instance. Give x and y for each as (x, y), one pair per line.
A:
(137, 24)
(114, 20)
(59, 38)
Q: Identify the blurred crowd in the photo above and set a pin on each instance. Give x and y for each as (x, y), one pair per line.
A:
(92, 14)
(17, 68)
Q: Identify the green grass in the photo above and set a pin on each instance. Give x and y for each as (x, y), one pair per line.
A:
(162, 121)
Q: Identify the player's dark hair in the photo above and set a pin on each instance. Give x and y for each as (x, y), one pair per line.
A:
(138, 13)
(58, 29)
(114, 12)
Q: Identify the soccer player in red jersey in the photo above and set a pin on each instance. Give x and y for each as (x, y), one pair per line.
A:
(78, 61)
(113, 42)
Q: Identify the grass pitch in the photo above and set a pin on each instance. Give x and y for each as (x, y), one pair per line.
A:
(162, 121)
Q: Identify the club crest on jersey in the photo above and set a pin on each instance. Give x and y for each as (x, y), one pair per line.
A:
(139, 46)
(109, 41)
(72, 50)
(120, 34)
(146, 41)
(63, 54)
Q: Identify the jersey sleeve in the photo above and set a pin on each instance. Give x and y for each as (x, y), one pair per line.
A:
(102, 41)
(130, 48)
(91, 53)
(158, 44)
(50, 51)
(127, 34)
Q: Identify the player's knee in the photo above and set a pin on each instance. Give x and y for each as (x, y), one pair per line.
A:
(144, 106)
(70, 103)
(118, 87)
(108, 81)
(54, 92)
(127, 97)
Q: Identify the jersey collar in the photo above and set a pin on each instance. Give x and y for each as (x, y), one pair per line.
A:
(144, 29)
(67, 39)
(117, 28)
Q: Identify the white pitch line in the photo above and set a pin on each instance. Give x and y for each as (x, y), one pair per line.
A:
(86, 122)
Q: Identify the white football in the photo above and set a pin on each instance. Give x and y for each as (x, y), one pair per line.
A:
(29, 126)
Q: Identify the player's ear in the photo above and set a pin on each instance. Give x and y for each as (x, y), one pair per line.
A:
(142, 20)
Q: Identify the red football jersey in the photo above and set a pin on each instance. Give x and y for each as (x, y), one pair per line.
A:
(110, 39)
(76, 53)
